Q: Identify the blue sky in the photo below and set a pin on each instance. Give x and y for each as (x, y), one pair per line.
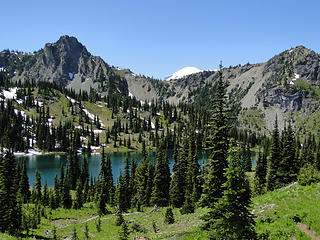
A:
(156, 38)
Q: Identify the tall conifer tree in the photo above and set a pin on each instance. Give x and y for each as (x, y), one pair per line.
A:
(274, 161)
(217, 141)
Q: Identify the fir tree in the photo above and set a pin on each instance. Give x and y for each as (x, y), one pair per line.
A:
(288, 168)
(260, 174)
(217, 141)
(143, 181)
(78, 203)
(169, 218)
(177, 185)
(124, 233)
(192, 185)
(230, 217)
(38, 186)
(24, 188)
(274, 161)
(161, 184)
(10, 209)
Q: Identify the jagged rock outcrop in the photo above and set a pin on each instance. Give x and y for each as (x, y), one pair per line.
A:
(66, 62)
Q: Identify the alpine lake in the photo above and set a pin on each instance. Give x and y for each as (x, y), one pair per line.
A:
(50, 165)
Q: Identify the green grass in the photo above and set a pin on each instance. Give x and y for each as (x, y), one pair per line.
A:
(307, 125)
(276, 210)
(252, 119)
(301, 84)
(184, 227)
(274, 215)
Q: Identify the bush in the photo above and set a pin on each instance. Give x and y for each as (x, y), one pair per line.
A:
(137, 228)
(119, 219)
(124, 233)
(169, 219)
(308, 175)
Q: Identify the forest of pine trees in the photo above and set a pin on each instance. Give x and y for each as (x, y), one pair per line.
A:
(221, 184)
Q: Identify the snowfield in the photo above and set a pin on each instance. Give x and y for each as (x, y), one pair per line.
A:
(183, 72)
(296, 76)
(11, 94)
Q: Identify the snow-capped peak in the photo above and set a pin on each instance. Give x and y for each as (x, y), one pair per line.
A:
(183, 72)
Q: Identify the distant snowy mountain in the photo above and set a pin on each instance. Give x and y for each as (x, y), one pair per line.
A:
(183, 72)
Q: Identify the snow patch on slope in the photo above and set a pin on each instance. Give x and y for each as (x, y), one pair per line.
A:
(183, 72)
(296, 76)
(11, 94)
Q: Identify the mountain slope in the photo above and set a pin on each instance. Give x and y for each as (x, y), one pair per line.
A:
(66, 62)
(286, 85)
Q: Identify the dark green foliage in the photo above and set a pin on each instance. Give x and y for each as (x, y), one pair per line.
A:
(24, 191)
(308, 175)
(38, 186)
(169, 218)
(230, 217)
(217, 141)
(124, 233)
(192, 186)
(260, 174)
(188, 205)
(78, 203)
(154, 227)
(106, 184)
(74, 235)
(10, 209)
(119, 219)
(274, 161)
(246, 157)
(86, 231)
(161, 182)
(137, 228)
(288, 168)
(121, 194)
(143, 181)
(177, 185)
(98, 224)
(65, 196)
(30, 217)
(54, 233)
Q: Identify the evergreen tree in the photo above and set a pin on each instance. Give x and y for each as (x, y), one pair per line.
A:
(10, 209)
(288, 168)
(24, 188)
(143, 181)
(177, 185)
(274, 161)
(161, 184)
(124, 233)
(38, 186)
(192, 185)
(230, 217)
(217, 141)
(78, 203)
(169, 218)
(106, 183)
(121, 193)
(65, 196)
(260, 174)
